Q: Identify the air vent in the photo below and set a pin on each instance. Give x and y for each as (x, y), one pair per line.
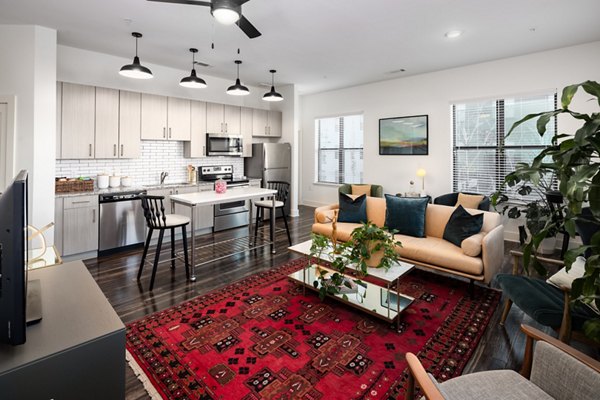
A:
(205, 65)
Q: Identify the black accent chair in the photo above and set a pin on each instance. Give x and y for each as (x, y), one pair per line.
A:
(281, 197)
(157, 219)
(450, 199)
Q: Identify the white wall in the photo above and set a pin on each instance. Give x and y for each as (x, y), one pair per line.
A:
(28, 72)
(432, 94)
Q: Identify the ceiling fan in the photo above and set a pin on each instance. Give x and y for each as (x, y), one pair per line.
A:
(226, 12)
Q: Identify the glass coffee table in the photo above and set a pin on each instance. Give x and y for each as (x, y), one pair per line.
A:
(383, 301)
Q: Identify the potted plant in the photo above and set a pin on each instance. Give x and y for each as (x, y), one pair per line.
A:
(369, 247)
(575, 160)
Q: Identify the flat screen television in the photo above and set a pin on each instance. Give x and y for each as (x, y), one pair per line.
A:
(13, 261)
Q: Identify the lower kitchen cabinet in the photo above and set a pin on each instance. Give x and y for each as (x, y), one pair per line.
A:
(79, 225)
(203, 216)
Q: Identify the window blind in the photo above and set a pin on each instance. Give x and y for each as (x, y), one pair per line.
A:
(482, 154)
(339, 142)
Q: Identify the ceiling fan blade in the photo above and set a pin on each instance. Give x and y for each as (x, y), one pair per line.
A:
(248, 28)
(190, 2)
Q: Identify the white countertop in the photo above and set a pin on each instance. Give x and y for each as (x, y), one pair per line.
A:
(212, 197)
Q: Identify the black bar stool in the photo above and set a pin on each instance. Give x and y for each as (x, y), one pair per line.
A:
(156, 218)
(283, 191)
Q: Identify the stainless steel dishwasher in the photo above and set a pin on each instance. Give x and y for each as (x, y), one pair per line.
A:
(122, 221)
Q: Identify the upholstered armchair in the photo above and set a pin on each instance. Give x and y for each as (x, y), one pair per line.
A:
(450, 199)
(553, 371)
(376, 190)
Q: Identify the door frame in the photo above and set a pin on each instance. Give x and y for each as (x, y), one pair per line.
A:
(10, 140)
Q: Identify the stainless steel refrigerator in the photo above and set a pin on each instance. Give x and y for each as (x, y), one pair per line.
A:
(270, 162)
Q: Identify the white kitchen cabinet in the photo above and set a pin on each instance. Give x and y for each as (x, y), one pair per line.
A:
(204, 216)
(246, 131)
(178, 118)
(77, 121)
(130, 110)
(266, 123)
(196, 147)
(165, 118)
(222, 118)
(107, 123)
(58, 119)
(58, 224)
(80, 224)
(154, 117)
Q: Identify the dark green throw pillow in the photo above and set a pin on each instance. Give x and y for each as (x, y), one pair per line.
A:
(352, 210)
(461, 225)
(406, 215)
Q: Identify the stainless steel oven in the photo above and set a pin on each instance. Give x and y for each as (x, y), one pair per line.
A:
(219, 144)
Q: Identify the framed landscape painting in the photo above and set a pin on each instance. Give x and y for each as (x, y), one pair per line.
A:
(404, 135)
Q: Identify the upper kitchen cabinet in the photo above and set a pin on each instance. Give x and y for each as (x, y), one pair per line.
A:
(179, 119)
(196, 147)
(246, 131)
(77, 121)
(107, 123)
(221, 118)
(130, 114)
(266, 123)
(154, 117)
(165, 118)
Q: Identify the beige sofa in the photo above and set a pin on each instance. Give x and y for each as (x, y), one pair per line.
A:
(479, 258)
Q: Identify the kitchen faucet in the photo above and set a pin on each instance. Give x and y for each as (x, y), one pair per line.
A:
(163, 176)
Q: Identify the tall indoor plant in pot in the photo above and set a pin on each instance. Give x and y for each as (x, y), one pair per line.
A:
(575, 160)
(369, 247)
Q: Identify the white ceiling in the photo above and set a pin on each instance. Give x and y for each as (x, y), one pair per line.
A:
(317, 44)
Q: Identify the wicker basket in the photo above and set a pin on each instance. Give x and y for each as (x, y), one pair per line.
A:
(74, 185)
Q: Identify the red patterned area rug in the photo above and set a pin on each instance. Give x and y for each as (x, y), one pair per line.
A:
(261, 338)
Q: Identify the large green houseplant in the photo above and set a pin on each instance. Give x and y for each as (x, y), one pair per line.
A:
(575, 160)
(369, 247)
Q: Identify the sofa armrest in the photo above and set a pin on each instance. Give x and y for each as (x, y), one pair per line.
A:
(492, 252)
(325, 214)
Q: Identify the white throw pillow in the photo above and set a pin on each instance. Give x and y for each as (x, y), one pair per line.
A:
(564, 279)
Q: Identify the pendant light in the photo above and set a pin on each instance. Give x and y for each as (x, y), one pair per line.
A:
(136, 70)
(238, 89)
(193, 81)
(272, 95)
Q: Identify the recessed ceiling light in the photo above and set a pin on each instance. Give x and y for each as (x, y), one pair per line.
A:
(453, 34)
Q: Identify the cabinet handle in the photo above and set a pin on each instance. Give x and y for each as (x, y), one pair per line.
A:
(203, 150)
(93, 216)
(225, 127)
(169, 133)
(122, 150)
(80, 202)
(90, 149)
(164, 132)
(265, 130)
(114, 150)
(221, 127)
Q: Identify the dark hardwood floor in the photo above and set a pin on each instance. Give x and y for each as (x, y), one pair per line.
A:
(500, 348)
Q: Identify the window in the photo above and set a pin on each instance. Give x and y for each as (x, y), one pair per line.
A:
(339, 142)
(482, 155)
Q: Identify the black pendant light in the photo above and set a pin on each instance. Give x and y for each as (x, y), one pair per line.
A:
(272, 95)
(238, 89)
(193, 81)
(136, 70)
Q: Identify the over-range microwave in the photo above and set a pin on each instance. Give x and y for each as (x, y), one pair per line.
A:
(219, 144)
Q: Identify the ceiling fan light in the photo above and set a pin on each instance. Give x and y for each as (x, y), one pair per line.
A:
(272, 95)
(225, 16)
(193, 81)
(136, 70)
(238, 89)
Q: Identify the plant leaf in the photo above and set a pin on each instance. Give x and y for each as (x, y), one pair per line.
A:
(567, 95)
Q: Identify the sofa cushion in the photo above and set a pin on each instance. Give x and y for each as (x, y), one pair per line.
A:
(406, 215)
(353, 210)
(471, 246)
(436, 251)
(469, 200)
(376, 210)
(461, 225)
(325, 216)
(344, 230)
(361, 189)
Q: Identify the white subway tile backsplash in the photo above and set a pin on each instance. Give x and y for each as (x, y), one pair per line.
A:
(156, 157)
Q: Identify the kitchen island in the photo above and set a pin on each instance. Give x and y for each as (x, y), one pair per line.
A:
(208, 198)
